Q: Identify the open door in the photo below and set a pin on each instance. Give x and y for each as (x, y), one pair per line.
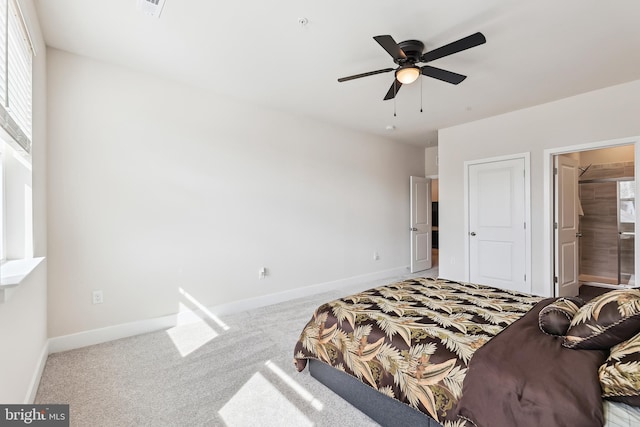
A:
(420, 223)
(565, 225)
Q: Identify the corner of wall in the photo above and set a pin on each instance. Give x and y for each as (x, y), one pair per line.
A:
(37, 375)
(431, 161)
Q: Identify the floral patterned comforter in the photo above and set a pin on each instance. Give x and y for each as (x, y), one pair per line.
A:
(411, 340)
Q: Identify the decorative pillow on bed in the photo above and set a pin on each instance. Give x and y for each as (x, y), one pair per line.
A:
(605, 321)
(620, 374)
(555, 318)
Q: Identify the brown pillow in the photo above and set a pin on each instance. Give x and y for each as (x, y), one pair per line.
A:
(605, 321)
(555, 318)
(620, 374)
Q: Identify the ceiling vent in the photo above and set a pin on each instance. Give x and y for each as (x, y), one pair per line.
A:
(151, 7)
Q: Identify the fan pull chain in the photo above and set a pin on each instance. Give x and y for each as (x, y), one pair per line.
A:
(421, 95)
(395, 92)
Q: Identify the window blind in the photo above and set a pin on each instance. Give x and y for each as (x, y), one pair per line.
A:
(3, 51)
(15, 86)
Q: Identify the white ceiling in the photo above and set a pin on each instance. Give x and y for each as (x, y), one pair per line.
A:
(536, 52)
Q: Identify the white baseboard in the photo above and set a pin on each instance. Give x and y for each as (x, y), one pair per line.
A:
(35, 380)
(110, 333)
(264, 300)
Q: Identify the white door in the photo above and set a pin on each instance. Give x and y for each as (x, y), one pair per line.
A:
(420, 227)
(497, 227)
(565, 225)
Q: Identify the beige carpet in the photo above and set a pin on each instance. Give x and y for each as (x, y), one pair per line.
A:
(237, 371)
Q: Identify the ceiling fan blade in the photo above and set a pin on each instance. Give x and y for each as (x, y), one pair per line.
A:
(440, 74)
(463, 44)
(393, 90)
(370, 73)
(389, 44)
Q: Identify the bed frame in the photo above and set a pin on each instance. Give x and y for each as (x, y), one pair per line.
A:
(382, 409)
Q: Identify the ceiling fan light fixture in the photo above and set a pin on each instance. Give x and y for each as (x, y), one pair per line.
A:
(408, 75)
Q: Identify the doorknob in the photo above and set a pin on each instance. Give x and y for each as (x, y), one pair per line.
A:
(413, 229)
(578, 234)
(473, 233)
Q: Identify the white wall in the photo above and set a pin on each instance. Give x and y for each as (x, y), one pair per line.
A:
(601, 115)
(154, 186)
(23, 318)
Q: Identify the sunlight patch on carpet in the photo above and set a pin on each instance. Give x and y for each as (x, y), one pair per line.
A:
(190, 333)
(258, 399)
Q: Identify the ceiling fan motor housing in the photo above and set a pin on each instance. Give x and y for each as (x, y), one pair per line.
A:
(412, 49)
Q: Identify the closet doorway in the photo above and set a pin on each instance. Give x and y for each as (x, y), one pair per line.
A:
(606, 193)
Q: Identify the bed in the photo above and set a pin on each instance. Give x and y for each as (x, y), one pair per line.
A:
(402, 353)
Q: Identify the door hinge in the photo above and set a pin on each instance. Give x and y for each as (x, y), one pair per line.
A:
(555, 225)
(555, 279)
(525, 225)
(555, 171)
(525, 277)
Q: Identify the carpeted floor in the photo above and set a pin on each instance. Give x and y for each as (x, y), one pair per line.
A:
(234, 372)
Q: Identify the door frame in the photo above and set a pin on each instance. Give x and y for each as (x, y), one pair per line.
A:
(548, 202)
(526, 156)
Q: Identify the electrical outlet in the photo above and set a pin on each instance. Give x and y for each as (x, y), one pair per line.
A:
(376, 256)
(98, 297)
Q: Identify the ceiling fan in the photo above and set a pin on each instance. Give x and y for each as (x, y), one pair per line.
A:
(408, 54)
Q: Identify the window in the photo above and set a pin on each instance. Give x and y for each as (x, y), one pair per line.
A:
(2, 224)
(16, 53)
